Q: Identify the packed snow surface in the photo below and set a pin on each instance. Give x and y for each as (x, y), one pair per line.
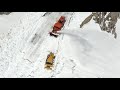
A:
(80, 53)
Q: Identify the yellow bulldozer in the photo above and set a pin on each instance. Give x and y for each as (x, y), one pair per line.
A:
(50, 61)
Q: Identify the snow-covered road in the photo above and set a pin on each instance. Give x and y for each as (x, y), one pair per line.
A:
(86, 52)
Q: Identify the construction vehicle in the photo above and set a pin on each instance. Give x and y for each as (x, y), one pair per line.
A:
(58, 26)
(50, 61)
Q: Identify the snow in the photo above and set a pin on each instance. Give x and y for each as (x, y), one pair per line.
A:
(80, 53)
(7, 21)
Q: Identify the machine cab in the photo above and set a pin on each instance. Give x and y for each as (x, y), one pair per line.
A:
(50, 61)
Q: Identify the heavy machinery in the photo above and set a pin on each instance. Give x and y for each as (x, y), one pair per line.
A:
(58, 26)
(50, 61)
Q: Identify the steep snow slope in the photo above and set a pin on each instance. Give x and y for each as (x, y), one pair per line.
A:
(86, 52)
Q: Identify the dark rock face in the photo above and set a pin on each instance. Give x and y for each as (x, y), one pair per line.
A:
(6, 13)
(106, 20)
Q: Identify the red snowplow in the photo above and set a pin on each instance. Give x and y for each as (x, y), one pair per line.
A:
(58, 26)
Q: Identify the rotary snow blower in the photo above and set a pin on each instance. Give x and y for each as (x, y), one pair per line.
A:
(58, 26)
